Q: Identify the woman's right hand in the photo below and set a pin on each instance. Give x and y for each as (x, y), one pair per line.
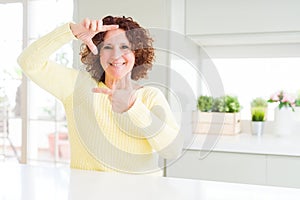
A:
(122, 94)
(87, 29)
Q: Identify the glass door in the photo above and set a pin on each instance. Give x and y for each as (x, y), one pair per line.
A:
(11, 21)
(32, 122)
(47, 129)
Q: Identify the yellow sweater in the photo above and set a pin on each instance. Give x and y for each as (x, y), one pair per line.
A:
(100, 139)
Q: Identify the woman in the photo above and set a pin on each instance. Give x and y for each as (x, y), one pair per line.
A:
(120, 126)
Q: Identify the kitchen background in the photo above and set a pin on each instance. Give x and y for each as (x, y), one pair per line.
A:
(253, 45)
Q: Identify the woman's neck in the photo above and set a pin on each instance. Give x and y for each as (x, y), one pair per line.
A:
(109, 82)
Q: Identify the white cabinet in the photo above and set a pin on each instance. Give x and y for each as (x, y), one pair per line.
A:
(283, 171)
(235, 16)
(238, 168)
(220, 166)
(233, 22)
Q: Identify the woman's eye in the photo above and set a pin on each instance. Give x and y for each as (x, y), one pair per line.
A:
(124, 47)
(107, 47)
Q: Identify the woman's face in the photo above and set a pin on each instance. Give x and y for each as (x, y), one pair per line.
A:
(116, 56)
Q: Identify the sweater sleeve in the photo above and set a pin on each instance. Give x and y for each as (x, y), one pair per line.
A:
(155, 122)
(53, 77)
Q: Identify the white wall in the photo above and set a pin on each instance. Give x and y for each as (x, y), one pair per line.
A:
(244, 28)
(152, 13)
(236, 16)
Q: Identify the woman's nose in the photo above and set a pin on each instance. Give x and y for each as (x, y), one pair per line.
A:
(116, 53)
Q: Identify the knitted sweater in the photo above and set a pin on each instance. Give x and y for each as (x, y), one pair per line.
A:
(101, 139)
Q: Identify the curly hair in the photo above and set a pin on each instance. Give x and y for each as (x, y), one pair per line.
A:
(141, 45)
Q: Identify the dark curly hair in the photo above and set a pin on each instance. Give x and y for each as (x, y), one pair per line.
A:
(141, 45)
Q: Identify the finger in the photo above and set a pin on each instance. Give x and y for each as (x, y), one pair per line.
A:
(119, 85)
(128, 83)
(92, 46)
(86, 23)
(109, 27)
(99, 25)
(122, 83)
(102, 91)
(93, 25)
(113, 87)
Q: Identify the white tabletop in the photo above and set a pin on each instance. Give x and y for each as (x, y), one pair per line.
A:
(23, 182)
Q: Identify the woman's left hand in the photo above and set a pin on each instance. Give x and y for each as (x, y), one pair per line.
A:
(121, 95)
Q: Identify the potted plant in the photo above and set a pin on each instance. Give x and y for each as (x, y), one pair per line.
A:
(284, 113)
(297, 102)
(204, 103)
(58, 140)
(226, 104)
(284, 100)
(217, 115)
(259, 108)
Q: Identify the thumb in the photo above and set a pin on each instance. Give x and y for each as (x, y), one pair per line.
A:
(102, 90)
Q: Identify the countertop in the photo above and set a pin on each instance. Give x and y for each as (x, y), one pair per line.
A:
(270, 144)
(24, 182)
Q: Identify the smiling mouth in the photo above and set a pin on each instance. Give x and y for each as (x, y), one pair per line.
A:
(117, 64)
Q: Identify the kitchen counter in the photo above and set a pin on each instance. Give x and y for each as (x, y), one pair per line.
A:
(268, 144)
(24, 182)
(243, 158)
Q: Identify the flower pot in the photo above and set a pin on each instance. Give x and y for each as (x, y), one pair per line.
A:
(284, 119)
(297, 114)
(62, 144)
(216, 123)
(257, 127)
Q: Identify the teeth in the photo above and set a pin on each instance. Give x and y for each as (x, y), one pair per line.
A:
(117, 64)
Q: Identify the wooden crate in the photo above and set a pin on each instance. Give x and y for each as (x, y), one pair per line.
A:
(215, 123)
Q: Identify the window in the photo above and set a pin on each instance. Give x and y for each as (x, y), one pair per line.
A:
(245, 71)
(47, 136)
(10, 79)
(47, 131)
(249, 78)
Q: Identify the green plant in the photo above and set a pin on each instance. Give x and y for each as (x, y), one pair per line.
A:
(297, 102)
(258, 113)
(204, 103)
(258, 109)
(227, 103)
(259, 102)
(218, 105)
(232, 104)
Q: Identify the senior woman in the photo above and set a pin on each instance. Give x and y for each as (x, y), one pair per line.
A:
(114, 124)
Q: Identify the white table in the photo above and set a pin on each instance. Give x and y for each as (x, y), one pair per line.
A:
(42, 183)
